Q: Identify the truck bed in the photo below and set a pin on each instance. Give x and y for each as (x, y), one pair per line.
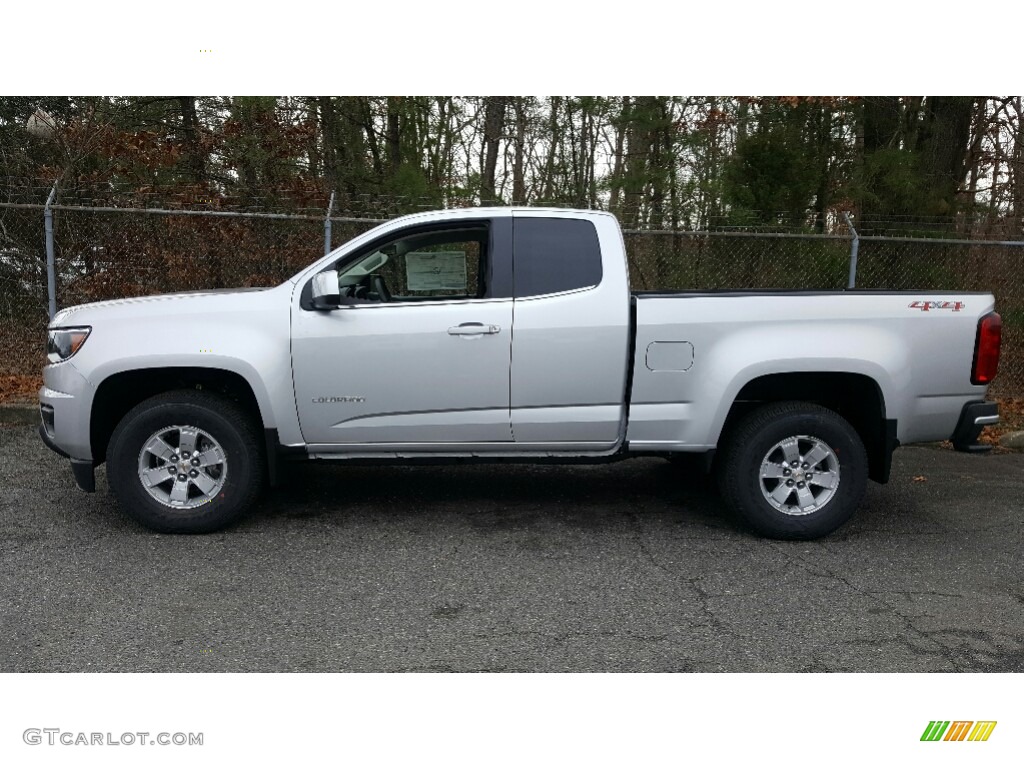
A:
(696, 351)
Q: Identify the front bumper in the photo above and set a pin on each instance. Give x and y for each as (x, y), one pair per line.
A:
(67, 395)
(65, 402)
(974, 417)
(82, 469)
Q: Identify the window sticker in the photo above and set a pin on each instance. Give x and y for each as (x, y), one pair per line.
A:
(435, 270)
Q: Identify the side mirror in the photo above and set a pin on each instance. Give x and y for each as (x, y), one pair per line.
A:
(325, 290)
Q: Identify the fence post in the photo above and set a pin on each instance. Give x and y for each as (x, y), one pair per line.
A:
(854, 248)
(327, 226)
(51, 277)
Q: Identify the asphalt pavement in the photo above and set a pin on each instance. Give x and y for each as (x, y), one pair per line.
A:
(626, 567)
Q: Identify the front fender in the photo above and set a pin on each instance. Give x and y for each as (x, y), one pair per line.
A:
(212, 362)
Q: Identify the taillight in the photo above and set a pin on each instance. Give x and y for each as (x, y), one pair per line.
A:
(986, 349)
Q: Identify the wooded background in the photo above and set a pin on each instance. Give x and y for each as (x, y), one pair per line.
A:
(910, 163)
(714, 192)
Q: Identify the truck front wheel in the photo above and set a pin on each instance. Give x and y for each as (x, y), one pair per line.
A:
(185, 462)
(793, 470)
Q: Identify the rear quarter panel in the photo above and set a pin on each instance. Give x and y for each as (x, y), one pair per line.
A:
(921, 360)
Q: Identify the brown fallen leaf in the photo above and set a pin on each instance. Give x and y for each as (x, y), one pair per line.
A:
(920, 479)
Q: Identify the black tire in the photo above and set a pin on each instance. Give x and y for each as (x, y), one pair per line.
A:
(747, 445)
(223, 420)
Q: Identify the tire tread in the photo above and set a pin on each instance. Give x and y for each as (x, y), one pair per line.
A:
(753, 511)
(121, 469)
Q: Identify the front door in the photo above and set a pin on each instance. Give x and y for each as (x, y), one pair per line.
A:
(419, 355)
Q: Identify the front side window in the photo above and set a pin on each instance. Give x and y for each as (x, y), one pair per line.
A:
(423, 266)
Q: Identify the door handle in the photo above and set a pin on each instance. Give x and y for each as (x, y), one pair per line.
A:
(473, 329)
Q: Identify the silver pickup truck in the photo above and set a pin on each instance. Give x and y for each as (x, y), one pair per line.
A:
(510, 334)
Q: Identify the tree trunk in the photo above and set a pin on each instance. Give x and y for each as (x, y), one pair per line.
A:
(494, 123)
(638, 142)
(881, 123)
(1017, 172)
(194, 160)
(821, 197)
(975, 159)
(912, 121)
(328, 124)
(621, 127)
(366, 119)
(518, 162)
(575, 155)
(248, 169)
(394, 133)
(591, 163)
(554, 134)
(943, 148)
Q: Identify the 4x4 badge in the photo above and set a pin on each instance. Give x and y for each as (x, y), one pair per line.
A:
(926, 306)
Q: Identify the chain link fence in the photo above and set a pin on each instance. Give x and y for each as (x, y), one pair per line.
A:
(104, 252)
(23, 290)
(738, 260)
(888, 263)
(718, 260)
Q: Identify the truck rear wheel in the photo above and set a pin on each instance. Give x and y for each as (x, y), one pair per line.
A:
(185, 462)
(793, 470)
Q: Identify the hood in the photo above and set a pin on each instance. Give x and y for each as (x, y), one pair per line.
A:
(184, 303)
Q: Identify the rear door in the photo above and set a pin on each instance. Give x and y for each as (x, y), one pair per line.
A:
(571, 343)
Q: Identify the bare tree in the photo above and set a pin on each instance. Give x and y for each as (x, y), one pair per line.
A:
(494, 124)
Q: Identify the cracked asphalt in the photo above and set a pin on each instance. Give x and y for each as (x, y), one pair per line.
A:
(625, 567)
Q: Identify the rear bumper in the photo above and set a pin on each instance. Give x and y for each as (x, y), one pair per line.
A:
(974, 417)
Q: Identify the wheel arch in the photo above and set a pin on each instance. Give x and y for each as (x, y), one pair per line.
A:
(119, 392)
(856, 397)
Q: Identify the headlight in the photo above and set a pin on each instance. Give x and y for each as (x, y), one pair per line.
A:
(62, 343)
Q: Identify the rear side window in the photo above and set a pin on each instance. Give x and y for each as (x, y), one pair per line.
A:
(554, 255)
